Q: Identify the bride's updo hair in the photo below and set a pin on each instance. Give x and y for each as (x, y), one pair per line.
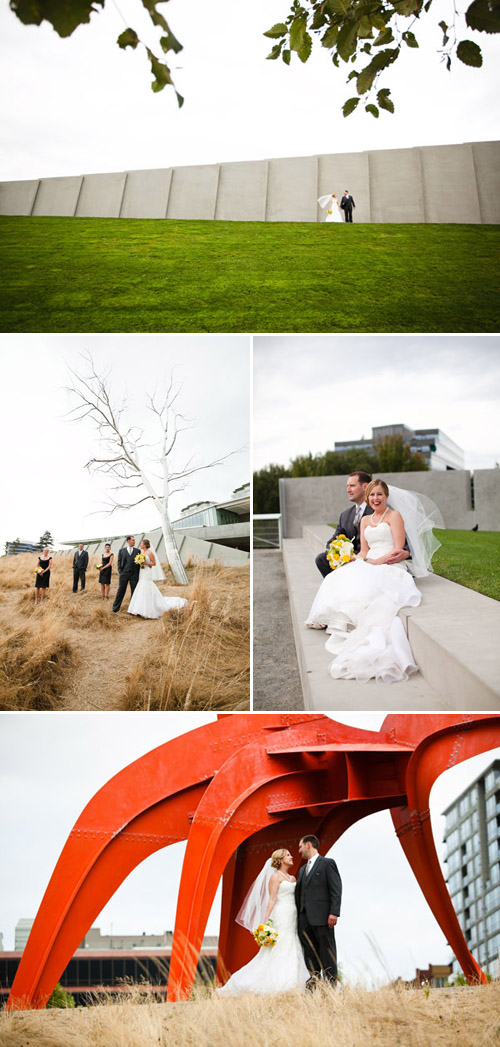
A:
(146, 543)
(277, 857)
(376, 483)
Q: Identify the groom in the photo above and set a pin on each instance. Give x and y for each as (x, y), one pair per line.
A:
(128, 571)
(347, 204)
(350, 521)
(317, 895)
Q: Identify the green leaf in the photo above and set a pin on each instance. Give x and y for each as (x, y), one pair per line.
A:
(319, 19)
(385, 37)
(406, 7)
(379, 21)
(297, 33)
(365, 28)
(384, 101)
(180, 100)
(65, 17)
(349, 106)
(347, 40)
(330, 37)
(366, 78)
(160, 71)
(372, 109)
(469, 53)
(367, 48)
(335, 59)
(276, 50)
(155, 16)
(484, 15)
(410, 39)
(279, 29)
(287, 54)
(337, 7)
(306, 48)
(170, 43)
(128, 38)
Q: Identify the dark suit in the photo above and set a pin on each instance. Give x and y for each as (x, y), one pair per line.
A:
(318, 896)
(128, 573)
(345, 526)
(347, 204)
(80, 564)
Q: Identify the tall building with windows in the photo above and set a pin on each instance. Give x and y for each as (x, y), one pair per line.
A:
(472, 854)
(436, 448)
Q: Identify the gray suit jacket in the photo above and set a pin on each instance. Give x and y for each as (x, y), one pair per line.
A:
(322, 891)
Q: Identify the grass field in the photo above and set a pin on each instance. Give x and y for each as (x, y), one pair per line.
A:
(103, 275)
(471, 558)
(72, 653)
(387, 1017)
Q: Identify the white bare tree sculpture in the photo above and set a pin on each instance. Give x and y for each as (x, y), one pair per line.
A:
(122, 450)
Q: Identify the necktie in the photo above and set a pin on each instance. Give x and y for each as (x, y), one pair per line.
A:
(357, 516)
(308, 867)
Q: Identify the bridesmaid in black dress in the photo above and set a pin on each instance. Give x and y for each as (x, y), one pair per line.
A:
(105, 571)
(42, 578)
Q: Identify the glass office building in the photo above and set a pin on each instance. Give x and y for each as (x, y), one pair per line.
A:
(472, 854)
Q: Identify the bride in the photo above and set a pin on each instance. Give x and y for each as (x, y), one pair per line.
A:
(359, 602)
(333, 213)
(280, 967)
(147, 600)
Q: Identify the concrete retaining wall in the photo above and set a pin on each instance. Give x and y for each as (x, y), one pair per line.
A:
(308, 500)
(446, 183)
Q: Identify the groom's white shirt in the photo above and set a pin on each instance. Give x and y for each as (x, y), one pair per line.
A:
(310, 863)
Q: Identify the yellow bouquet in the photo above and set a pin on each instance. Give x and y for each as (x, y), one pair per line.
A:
(340, 552)
(38, 570)
(265, 934)
(140, 559)
(98, 566)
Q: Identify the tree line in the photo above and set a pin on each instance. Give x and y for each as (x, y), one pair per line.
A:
(391, 455)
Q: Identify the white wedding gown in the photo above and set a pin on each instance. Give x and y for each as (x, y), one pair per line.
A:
(147, 600)
(333, 213)
(276, 968)
(359, 605)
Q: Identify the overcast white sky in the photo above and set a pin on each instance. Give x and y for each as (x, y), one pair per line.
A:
(50, 766)
(44, 481)
(310, 391)
(82, 105)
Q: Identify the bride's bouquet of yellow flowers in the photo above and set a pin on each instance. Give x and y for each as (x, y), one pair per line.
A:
(340, 552)
(38, 570)
(140, 559)
(265, 934)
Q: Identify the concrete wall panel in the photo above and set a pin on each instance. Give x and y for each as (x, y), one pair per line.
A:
(487, 167)
(17, 197)
(396, 189)
(292, 190)
(193, 192)
(346, 171)
(321, 499)
(487, 499)
(450, 187)
(242, 192)
(101, 195)
(146, 194)
(58, 197)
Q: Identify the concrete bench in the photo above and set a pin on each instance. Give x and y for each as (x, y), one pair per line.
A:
(452, 634)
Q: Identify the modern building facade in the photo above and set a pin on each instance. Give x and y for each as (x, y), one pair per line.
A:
(18, 546)
(437, 449)
(472, 854)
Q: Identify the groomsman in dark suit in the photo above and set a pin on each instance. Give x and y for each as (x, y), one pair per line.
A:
(80, 564)
(347, 204)
(318, 895)
(128, 571)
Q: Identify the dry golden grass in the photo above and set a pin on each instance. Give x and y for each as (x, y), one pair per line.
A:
(388, 1017)
(71, 652)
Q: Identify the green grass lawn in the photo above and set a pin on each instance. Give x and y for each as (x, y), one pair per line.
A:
(471, 558)
(76, 274)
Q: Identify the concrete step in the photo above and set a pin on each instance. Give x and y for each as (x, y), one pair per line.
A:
(451, 633)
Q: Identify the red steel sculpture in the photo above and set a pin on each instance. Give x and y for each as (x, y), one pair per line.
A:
(236, 789)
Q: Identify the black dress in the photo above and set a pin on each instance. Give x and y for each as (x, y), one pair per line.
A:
(42, 581)
(105, 575)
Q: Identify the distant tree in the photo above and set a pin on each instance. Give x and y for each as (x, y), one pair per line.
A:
(375, 33)
(12, 547)
(266, 488)
(45, 540)
(60, 998)
(396, 456)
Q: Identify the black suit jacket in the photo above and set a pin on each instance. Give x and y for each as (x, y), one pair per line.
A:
(347, 202)
(126, 562)
(81, 559)
(322, 891)
(347, 526)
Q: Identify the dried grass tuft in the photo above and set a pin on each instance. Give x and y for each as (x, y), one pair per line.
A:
(387, 1017)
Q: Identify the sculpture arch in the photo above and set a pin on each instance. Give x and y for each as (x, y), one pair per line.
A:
(234, 789)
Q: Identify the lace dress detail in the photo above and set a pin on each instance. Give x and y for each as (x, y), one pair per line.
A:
(280, 967)
(359, 605)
